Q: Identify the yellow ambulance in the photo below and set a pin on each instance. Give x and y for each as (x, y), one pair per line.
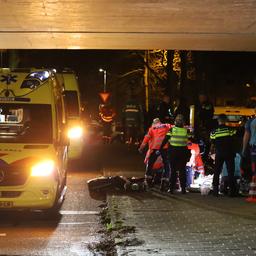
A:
(236, 116)
(33, 142)
(72, 100)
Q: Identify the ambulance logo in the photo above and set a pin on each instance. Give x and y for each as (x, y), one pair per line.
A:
(9, 79)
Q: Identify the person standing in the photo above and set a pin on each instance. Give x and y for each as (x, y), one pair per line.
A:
(223, 140)
(164, 110)
(179, 153)
(183, 109)
(249, 138)
(133, 121)
(154, 138)
(204, 122)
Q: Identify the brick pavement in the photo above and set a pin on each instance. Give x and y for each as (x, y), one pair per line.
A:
(170, 226)
(180, 224)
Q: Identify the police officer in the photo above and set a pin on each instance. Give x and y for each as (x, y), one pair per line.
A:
(223, 140)
(133, 121)
(178, 152)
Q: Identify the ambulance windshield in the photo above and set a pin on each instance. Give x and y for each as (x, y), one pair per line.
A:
(25, 123)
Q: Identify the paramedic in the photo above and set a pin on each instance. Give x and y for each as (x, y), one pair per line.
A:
(223, 140)
(154, 138)
(179, 154)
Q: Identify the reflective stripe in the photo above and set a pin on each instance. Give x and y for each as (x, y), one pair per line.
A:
(178, 137)
(222, 132)
(252, 193)
(253, 185)
(221, 135)
(132, 110)
(178, 144)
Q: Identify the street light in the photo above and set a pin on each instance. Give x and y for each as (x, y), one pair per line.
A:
(105, 78)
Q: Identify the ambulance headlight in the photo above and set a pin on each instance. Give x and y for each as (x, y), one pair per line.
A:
(43, 169)
(75, 132)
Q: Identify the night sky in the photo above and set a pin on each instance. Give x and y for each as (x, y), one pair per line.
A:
(232, 70)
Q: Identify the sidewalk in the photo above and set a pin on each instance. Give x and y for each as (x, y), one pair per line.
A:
(170, 226)
(119, 160)
(178, 224)
(223, 204)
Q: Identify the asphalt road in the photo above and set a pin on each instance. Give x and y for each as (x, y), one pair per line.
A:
(77, 226)
(25, 233)
(164, 225)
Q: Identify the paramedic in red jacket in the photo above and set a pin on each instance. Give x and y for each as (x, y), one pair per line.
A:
(196, 159)
(154, 138)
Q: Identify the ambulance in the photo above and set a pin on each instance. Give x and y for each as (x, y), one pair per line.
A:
(33, 141)
(75, 126)
(237, 116)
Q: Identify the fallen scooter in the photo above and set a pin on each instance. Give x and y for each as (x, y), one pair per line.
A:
(117, 183)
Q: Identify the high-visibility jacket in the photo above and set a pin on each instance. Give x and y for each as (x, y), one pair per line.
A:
(155, 136)
(178, 136)
(223, 139)
(158, 164)
(196, 159)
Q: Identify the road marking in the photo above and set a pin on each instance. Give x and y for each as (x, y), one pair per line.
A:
(2, 234)
(77, 223)
(79, 212)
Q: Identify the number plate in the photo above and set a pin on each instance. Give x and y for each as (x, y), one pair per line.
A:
(6, 204)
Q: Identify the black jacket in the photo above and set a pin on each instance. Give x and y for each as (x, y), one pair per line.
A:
(223, 139)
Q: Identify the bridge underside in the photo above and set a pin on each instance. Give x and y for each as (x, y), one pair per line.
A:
(228, 25)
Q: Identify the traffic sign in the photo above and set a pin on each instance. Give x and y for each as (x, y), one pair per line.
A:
(104, 96)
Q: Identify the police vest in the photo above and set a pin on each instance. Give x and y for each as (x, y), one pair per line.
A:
(222, 132)
(178, 137)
